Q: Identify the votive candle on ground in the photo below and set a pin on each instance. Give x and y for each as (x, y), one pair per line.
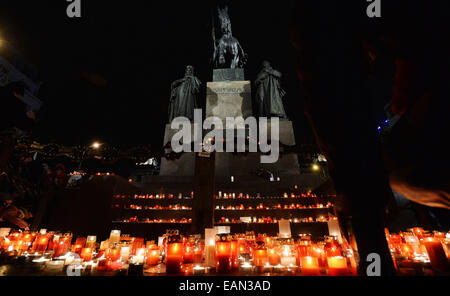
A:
(310, 266)
(174, 258)
(223, 256)
(114, 237)
(337, 266)
(436, 253)
(86, 254)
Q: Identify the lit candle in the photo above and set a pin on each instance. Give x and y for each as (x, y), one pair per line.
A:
(436, 254)
(210, 248)
(419, 232)
(138, 259)
(332, 247)
(188, 256)
(77, 249)
(337, 266)
(198, 270)
(114, 237)
(104, 245)
(153, 256)
(41, 244)
(223, 255)
(274, 257)
(86, 254)
(260, 257)
(174, 258)
(198, 254)
(304, 248)
(125, 253)
(90, 242)
(287, 259)
(80, 241)
(113, 254)
(235, 253)
(310, 266)
(61, 249)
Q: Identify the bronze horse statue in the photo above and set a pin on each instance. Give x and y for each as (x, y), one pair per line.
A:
(228, 52)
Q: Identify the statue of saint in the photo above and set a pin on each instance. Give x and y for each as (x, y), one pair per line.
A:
(269, 93)
(228, 53)
(183, 96)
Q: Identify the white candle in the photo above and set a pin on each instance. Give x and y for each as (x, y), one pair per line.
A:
(139, 258)
(210, 254)
(288, 261)
(125, 253)
(114, 237)
(91, 240)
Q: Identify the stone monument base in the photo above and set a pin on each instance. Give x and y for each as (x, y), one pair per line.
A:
(229, 99)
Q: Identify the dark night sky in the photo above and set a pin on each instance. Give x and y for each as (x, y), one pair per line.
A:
(138, 48)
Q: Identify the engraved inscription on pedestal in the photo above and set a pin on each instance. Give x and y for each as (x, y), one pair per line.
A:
(229, 99)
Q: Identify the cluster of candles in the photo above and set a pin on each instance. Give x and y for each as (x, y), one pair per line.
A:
(158, 207)
(157, 221)
(217, 253)
(175, 254)
(157, 196)
(420, 246)
(270, 220)
(222, 195)
(247, 254)
(275, 207)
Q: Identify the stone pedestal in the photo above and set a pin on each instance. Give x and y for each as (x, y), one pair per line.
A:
(229, 99)
(183, 165)
(246, 164)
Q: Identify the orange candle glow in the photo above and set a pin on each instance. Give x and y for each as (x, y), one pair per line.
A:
(113, 254)
(188, 256)
(174, 258)
(153, 256)
(304, 248)
(436, 254)
(419, 232)
(337, 266)
(407, 250)
(260, 257)
(61, 249)
(77, 249)
(223, 256)
(241, 245)
(81, 241)
(235, 254)
(310, 266)
(274, 257)
(86, 254)
(41, 244)
(198, 255)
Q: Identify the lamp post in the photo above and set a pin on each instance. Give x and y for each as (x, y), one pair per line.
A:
(95, 146)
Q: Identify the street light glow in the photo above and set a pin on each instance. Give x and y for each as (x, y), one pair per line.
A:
(315, 167)
(96, 145)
